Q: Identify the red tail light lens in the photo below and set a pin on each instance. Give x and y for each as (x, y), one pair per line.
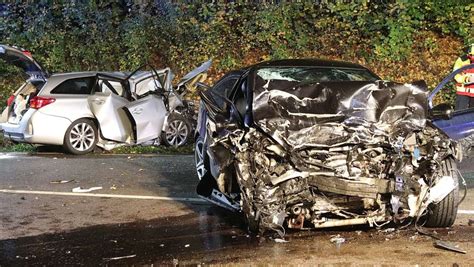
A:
(38, 102)
(10, 100)
(27, 53)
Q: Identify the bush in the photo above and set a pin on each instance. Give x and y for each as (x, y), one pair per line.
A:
(401, 40)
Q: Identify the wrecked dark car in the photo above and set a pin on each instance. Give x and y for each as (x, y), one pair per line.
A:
(457, 123)
(314, 144)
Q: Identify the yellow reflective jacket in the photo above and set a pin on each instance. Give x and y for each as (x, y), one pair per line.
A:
(463, 77)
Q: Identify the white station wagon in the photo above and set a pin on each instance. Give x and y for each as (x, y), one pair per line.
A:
(82, 110)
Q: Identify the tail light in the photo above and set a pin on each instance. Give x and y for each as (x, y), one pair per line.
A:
(38, 102)
(27, 53)
(10, 100)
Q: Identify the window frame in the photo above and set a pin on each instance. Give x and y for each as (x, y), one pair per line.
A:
(91, 83)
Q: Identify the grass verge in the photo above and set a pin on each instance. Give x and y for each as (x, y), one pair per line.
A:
(9, 146)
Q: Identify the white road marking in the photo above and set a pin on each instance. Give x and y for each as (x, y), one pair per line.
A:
(183, 199)
(465, 211)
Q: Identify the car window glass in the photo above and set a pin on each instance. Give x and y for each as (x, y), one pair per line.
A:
(223, 88)
(239, 98)
(79, 86)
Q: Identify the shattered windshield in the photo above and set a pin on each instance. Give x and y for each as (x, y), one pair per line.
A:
(309, 75)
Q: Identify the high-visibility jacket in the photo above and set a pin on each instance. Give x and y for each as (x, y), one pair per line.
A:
(463, 77)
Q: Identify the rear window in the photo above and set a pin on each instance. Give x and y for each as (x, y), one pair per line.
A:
(78, 86)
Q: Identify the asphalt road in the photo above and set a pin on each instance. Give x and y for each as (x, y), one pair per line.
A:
(147, 213)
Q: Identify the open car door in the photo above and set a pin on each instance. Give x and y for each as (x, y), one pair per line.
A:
(147, 115)
(460, 124)
(122, 120)
(107, 106)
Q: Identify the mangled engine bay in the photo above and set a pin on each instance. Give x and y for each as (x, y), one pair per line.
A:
(336, 153)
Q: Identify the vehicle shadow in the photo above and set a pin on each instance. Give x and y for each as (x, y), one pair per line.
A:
(151, 241)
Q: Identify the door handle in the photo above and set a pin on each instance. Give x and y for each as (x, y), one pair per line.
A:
(137, 111)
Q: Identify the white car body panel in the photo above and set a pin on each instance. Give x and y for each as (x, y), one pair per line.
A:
(41, 125)
(149, 115)
(35, 127)
(113, 120)
(19, 131)
(77, 107)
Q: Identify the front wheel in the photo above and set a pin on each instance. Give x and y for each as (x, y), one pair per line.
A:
(443, 214)
(178, 131)
(80, 137)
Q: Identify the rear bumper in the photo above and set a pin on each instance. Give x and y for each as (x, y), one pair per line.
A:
(18, 132)
(37, 128)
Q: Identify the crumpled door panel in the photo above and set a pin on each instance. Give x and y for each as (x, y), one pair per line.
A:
(114, 122)
(148, 115)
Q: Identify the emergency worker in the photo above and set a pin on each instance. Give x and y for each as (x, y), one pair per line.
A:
(465, 80)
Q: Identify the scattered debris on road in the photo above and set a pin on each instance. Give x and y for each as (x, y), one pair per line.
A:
(119, 258)
(61, 181)
(448, 246)
(388, 230)
(280, 240)
(85, 190)
(338, 240)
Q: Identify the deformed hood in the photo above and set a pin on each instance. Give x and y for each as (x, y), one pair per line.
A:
(330, 113)
(195, 72)
(23, 60)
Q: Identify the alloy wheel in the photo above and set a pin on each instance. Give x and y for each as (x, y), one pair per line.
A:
(82, 136)
(177, 133)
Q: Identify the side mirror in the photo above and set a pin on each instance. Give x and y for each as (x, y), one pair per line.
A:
(442, 111)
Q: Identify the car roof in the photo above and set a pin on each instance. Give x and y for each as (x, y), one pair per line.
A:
(116, 74)
(67, 75)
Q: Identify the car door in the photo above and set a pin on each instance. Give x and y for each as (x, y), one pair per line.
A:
(219, 109)
(461, 124)
(148, 115)
(121, 120)
(108, 108)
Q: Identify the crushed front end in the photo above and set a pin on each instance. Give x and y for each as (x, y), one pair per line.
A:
(335, 154)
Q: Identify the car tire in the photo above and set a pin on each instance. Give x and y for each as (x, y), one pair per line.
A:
(443, 214)
(81, 137)
(178, 131)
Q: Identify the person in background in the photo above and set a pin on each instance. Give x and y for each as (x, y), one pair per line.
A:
(465, 80)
